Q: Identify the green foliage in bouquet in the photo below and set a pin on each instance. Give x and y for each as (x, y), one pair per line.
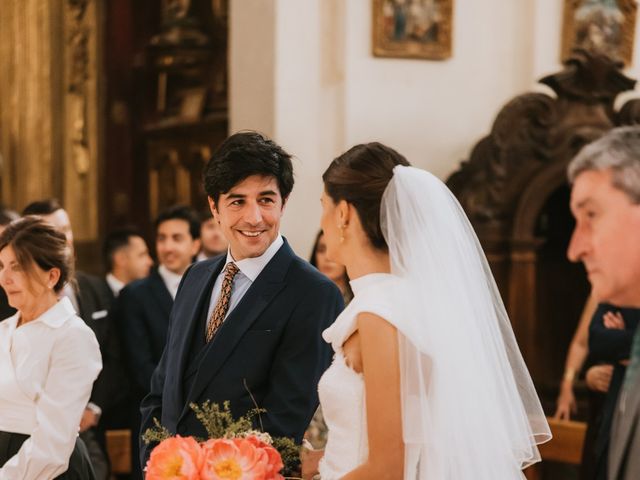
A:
(290, 453)
(219, 423)
(156, 434)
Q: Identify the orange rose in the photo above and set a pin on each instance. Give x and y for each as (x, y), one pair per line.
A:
(274, 459)
(176, 458)
(237, 459)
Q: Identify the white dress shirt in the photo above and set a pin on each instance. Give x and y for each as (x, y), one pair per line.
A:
(171, 280)
(114, 284)
(47, 369)
(249, 269)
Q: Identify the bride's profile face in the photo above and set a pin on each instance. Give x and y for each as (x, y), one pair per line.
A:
(330, 224)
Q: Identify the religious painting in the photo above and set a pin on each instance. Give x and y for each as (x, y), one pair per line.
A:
(603, 26)
(412, 28)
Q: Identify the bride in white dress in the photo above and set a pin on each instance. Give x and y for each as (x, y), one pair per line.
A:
(427, 381)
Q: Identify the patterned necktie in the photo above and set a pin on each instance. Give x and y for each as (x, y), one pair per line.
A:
(222, 306)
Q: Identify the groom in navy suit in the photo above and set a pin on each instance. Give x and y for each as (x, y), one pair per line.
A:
(246, 326)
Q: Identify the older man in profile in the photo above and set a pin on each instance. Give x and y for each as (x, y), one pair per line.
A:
(605, 201)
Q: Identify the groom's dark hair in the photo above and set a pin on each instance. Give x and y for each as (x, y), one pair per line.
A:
(360, 176)
(242, 155)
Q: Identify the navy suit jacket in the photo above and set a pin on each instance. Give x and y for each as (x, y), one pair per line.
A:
(143, 310)
(269, 347)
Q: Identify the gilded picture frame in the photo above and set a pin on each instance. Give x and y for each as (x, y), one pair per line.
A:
(419, 29)
(607, 26)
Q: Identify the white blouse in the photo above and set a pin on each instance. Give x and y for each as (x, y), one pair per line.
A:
(47, 369)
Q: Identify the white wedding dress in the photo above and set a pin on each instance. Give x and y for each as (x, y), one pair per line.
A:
(469, 407)
(341, 389)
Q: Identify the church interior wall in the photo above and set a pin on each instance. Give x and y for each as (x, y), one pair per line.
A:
(330, 92)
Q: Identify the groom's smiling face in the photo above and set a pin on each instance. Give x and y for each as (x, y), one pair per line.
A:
(249, 215)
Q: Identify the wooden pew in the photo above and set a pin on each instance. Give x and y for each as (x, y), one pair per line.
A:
(119, 451)
(565, 446)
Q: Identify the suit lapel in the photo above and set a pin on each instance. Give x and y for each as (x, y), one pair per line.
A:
(84, 309)
(193, 315)
(260, 294)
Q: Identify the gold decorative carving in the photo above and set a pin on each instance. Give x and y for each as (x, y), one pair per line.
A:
(82, 118)
(49, 120)
(76, 86)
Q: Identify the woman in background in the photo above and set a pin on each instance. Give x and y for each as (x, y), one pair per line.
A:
(49, 359)
(336, 272)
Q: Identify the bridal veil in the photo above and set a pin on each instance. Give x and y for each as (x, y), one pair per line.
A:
(470, 410)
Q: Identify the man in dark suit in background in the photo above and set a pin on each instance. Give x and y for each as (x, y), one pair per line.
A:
(212, 239)
(246, 327)
(143, 307)
(92, 300)
(127, 258)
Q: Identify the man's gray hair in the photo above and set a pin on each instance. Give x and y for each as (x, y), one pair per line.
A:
(618, 150)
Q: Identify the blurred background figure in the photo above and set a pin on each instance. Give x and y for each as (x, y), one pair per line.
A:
(212, 240)
(49, 359)
(335, 271)
(6, 217)
(127, 258)
(91, 298)
(143, 308)
(610, 337)
(601, 342)
(576, 357)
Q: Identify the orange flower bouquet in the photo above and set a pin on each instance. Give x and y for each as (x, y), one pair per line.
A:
(234, 450)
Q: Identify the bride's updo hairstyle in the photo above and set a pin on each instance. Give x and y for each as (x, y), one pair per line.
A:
(360, 176)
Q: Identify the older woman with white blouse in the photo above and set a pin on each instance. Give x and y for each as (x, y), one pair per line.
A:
(49, 359)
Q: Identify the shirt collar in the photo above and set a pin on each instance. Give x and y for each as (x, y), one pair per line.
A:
(114, 284)
(251, 267)
(170, 279)
(57, 315)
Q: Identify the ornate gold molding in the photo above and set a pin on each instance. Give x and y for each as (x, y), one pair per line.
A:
(82, 119)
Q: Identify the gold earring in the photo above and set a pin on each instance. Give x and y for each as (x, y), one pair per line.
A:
(342, 227)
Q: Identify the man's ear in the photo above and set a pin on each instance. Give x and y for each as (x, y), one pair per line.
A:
(212, 207)
(119, 257)
(284, 203)
(195, 248)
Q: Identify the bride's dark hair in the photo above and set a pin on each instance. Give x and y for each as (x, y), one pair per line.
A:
(360, 176)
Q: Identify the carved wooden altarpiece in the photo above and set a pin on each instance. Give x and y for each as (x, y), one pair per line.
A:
(168, 102)
(515, 191)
